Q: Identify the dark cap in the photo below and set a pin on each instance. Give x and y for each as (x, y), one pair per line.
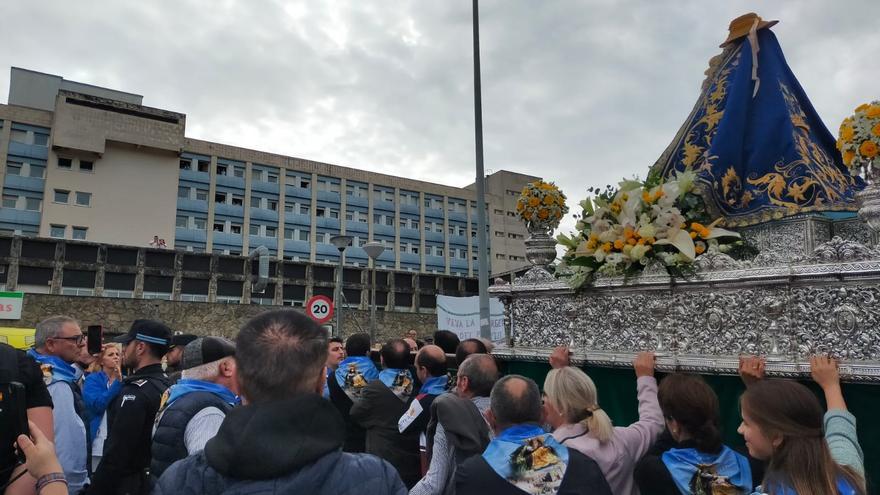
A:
(206, 350)
(182, 339)
(149, 331)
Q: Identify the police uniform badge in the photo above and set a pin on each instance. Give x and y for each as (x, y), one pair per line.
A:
(47, 370)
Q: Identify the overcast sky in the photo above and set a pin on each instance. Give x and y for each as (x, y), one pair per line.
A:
(578, 92)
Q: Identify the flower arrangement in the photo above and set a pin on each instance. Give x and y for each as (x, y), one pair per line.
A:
(859, 140)
(621, 230)
(541, 205)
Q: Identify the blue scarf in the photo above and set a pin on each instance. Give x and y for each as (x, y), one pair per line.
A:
(528, 458)
(56, 368)
(188, 385)
(843, 488)
(683, 465)
(399, 381)
(354, 373)
(434, 386)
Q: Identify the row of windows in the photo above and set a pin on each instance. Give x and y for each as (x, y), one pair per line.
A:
(257, 175)
(25, 169)
(81, 198)
(60, 231)
(82, 165)
(512, 257)
(17, 202)
(29, 137)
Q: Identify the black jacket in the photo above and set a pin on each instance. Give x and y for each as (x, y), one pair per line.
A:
(282, 447)
(126, 460)
(653, 478)
(582, 477)
(355, 436)
(377, 412)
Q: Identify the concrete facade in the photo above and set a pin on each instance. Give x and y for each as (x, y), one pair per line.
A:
(131, 174)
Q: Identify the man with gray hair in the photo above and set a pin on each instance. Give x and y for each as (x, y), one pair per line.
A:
(193, 409)
(58, 341)
(457, 428)
(523, 458)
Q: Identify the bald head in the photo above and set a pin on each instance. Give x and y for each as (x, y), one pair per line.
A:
(468, 347)
(477, 375)
(515, 400)
(432, 359)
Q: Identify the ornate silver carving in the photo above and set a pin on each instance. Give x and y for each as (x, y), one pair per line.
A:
(838, 250)
(854, 230)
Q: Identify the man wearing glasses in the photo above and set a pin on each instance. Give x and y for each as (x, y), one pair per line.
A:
(58, 341)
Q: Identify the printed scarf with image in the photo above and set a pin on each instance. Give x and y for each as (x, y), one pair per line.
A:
(529, 458)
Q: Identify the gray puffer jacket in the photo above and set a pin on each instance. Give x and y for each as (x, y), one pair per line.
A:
(284, 447)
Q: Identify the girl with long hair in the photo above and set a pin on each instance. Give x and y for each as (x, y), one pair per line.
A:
(100, 387)
(571, 408)
(808, 452)
(690, 457)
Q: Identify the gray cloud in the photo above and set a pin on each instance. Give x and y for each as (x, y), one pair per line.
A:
(580, 92)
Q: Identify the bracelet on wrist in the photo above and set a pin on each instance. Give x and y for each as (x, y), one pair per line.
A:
(50, 478)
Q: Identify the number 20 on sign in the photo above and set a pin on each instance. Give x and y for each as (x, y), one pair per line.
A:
(320, 308)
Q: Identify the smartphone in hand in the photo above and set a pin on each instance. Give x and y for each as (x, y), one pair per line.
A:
(95, 336)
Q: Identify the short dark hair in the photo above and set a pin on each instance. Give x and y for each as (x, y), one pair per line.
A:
(280, 354)
(468, 347)
(689, 400)
(337, 340)
(357, 345)
(435, 367)
(482, 373)
(447, 341)
(395, 354)
(515, 407)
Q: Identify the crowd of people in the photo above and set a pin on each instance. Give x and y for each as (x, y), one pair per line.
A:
(287, 409)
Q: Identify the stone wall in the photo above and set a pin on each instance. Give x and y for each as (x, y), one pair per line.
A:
(116, 315)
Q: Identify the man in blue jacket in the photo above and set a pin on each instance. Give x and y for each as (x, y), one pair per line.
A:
(286, 438)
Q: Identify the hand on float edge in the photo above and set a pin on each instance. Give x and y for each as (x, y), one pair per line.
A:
(751, 369)
(826, 374)
(644, 364)
(560, 357)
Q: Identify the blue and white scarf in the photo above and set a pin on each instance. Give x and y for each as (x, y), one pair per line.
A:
(434, 386)
(725, 469)
(528, 458)
(354, 373)
(55, 369)
(399, 381)
(188, 385)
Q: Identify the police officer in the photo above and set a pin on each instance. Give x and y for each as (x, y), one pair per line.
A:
(124, 468)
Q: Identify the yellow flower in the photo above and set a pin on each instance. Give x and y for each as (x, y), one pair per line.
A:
(876, 130)
(868, 149)
(534, 201)
(606, 247)
(543, 213)
(862, 107)
(525, 191)
(696, 226)
(548, 200)
(693, 235)
(520, 206)
(641, 242)
(699, 249)
(847, 133)
(618, 244)
(561, 201)
(873, 111)
(646, 197)
(631, 241)
(848, 157)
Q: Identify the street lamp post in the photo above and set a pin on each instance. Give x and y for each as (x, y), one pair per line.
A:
(374, 250)
(340, 242)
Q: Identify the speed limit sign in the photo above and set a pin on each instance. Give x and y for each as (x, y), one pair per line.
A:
(320, 308)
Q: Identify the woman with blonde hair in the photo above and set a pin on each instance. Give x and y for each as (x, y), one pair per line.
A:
(101, 386)
(572, 410)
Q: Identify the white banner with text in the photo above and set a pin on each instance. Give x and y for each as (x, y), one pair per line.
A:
(461, 315)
